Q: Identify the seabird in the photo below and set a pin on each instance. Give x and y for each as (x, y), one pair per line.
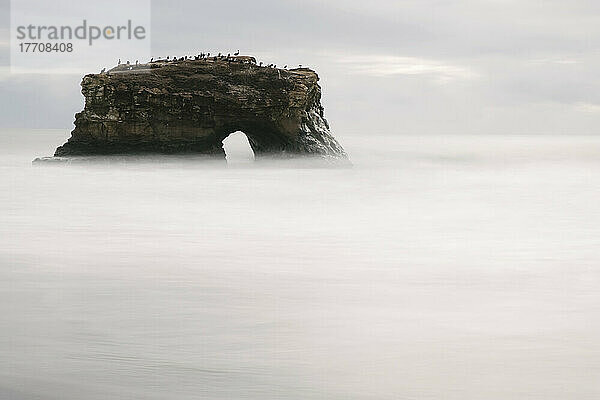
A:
(285, 66)
(103, 70)
(152, 59)
(237, 53)
(119, 63)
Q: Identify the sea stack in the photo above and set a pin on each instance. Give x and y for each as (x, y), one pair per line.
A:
(191, 106)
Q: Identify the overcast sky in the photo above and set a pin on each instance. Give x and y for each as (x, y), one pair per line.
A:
(386, 66)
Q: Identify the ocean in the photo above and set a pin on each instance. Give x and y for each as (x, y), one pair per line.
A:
(436, 267)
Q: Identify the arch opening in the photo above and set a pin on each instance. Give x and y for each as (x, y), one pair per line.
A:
(237, 148)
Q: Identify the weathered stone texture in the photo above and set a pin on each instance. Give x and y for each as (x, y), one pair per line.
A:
(191, 106)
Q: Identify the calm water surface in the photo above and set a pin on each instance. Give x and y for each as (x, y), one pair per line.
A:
(437, 267)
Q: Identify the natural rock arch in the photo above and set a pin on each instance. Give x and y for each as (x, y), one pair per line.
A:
(191, 106)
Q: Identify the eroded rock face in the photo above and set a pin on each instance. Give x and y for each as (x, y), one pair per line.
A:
(191, 106)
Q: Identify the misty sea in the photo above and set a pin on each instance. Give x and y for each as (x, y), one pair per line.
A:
(437, 267)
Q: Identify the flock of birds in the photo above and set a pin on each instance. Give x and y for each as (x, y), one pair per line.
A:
(203, 56)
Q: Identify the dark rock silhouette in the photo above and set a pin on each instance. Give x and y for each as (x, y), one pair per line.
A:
(192, 105)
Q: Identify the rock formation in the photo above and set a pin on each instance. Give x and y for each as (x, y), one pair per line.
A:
(191, 106)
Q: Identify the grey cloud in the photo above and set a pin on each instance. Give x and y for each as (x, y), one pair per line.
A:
(412, 66)
(39, 101)
(273, 25)
(4, 32)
